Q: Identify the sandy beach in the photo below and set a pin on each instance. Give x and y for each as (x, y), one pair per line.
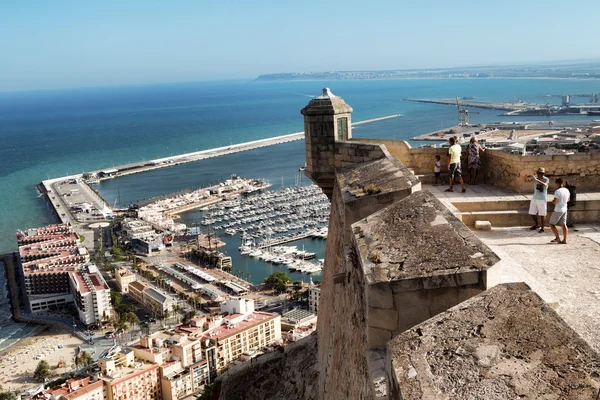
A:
(52, 344)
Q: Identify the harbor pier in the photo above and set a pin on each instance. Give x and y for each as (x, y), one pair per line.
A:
(142, 166)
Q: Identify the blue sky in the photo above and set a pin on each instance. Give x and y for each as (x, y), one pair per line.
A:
(48, 44)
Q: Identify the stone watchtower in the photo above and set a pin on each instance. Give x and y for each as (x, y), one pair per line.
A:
(327, 119)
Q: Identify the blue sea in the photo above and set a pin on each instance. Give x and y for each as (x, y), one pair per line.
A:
(53, 133)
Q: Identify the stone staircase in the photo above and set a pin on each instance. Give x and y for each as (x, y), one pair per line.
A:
(498, 213)
(504, 208)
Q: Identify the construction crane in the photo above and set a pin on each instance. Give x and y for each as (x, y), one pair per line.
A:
(463, 114)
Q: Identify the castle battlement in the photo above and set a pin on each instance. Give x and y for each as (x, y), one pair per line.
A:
(406, 283)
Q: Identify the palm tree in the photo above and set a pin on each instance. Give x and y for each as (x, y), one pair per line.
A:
(165, 315)
(175, 307)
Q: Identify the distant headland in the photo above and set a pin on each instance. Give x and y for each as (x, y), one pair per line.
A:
(589, 70)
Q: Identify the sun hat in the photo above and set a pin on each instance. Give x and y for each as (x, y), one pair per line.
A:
(541, 171)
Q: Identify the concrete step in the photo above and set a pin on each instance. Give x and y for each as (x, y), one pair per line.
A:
(497, 218)
(492, 205)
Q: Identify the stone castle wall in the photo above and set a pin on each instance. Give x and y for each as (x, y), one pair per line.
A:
(502, 169)
(349, 153)
(341, 327)
(387, 265)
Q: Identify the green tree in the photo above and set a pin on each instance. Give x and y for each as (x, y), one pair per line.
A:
(278, 281)
(83, 359)
(188, 316)
(116, 252)
(42, 371)
(8, 396)
(115, 298)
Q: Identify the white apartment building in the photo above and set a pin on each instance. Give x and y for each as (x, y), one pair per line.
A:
(237, 305)
(314, 295)
(242, 332)
(91, 295)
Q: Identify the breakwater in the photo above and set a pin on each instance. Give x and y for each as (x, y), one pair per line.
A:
(502, 105)
(133, 168)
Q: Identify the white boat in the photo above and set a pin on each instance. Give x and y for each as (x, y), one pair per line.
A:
(256, 253)
(230, 231)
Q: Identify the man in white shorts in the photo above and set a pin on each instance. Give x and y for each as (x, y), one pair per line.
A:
(559, 216)
(538, 206)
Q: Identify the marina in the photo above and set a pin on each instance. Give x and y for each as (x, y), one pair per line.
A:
(265, 221)
(271, 216)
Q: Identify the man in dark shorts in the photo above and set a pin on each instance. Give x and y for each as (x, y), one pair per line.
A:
(572, 201)
(454, 153)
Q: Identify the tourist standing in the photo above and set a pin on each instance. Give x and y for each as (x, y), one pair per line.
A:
(454, 153)
(538, 206)
(473, 160)
(559, 215)
(437, 169)
(572, 202)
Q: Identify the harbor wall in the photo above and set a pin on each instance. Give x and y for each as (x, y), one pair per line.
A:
(501, 169)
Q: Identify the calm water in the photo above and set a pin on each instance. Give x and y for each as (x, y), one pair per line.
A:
(55, 133)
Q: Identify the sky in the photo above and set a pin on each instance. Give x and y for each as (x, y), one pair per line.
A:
(54, 44)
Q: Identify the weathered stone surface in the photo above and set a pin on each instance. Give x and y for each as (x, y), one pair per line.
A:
(505, 343)
(291, 374)
(375, 178)
(383, 319)
(342, 326)
(418, 237)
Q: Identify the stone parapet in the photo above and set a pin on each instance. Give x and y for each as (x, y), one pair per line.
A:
(350, 153)
(502, 169)
(368, 187)
(505, 343)
(360, 190)
(418, 260)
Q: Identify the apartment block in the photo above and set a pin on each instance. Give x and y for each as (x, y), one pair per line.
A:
(91, 295)
(80, 388)
(124, 278)
(178, 382)
(151, 297)
(314, 295)
(128, 379)
(47, 255)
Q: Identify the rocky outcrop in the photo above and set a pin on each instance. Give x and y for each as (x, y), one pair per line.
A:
(288, 374)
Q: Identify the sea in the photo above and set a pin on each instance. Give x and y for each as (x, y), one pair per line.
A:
(52, 133)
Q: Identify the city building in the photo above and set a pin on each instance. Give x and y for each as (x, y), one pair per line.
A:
(157, 300)
(81, 388)
(142, 236)
(314, 295)
(298, 323)
(183, 371)
(126, 379)
(238, 331)
(135, 290)
(91, 295)
(124, 278)
(237, 305)
(150, 297)
(47, 256)
(178, 382)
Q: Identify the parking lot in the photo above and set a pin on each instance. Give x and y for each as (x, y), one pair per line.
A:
(77, 201)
